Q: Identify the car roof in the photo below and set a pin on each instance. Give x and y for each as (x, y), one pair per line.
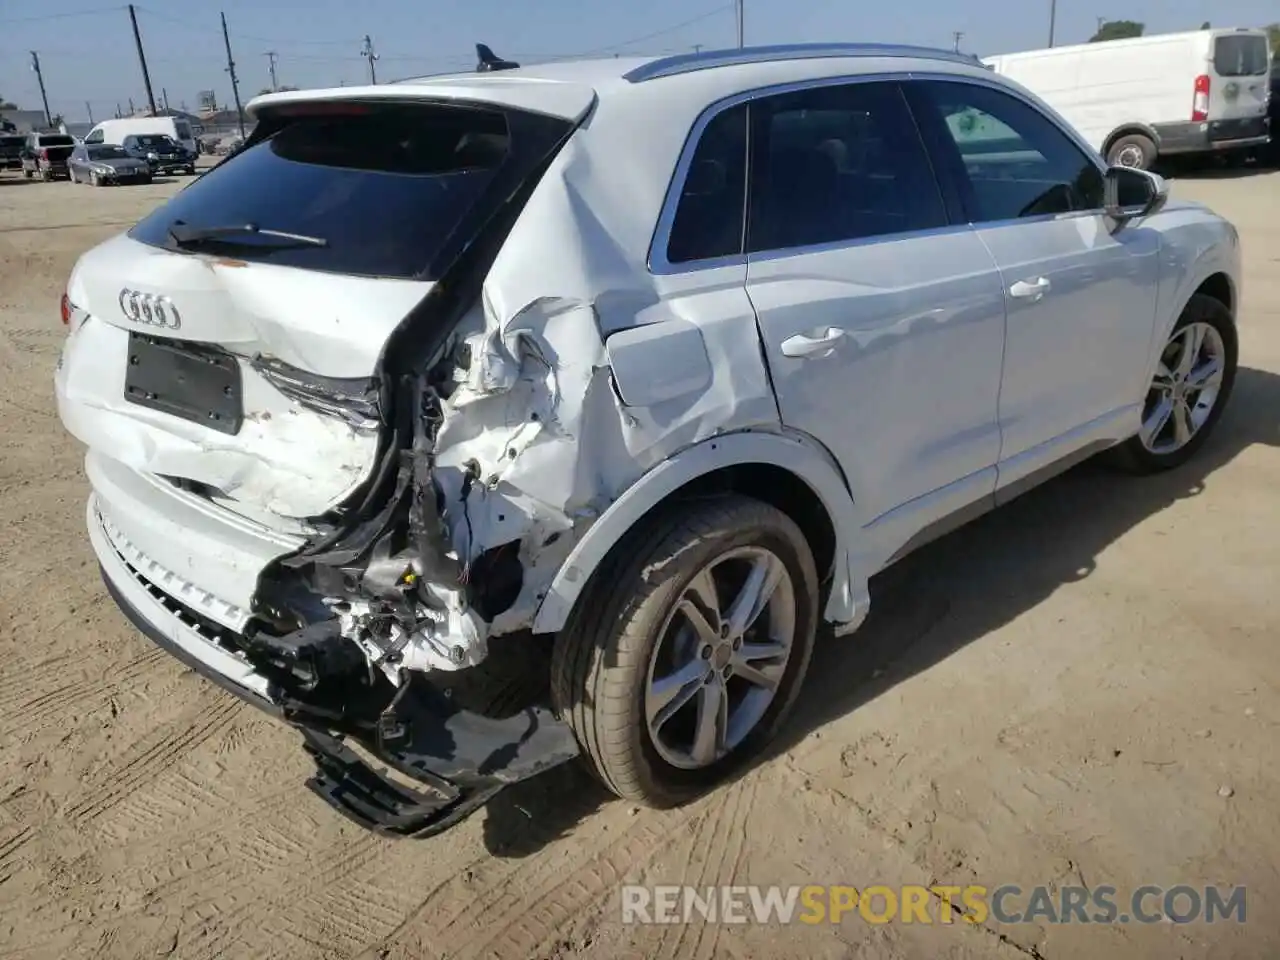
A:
(567, 88)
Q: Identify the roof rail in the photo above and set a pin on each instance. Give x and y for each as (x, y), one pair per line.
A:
(691, 62)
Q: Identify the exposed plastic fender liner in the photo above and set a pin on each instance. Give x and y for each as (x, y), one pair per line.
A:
(799, 455)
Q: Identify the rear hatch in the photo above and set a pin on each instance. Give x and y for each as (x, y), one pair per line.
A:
(232, 340)
(1239, 69)
(55, 150)
(11, 147)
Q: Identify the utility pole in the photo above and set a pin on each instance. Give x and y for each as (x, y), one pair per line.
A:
(132, 108)
(1053, 19)
(89, 108)
(35, 65)
(697, 48)
(231, 69)
(164, 98)
(958, 35)
(117, 109)
(741, 14)
(372, 57)
(271, 60)
(142, 58)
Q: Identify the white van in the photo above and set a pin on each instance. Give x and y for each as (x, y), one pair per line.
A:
(114, 131)
(1136, 100)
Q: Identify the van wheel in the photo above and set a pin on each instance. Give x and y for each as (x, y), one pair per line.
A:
(685, 654)
(1135, 150)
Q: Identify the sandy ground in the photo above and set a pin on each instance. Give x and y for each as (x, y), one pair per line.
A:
(1054, 695)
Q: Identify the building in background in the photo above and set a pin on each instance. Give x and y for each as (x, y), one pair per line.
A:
(25, 121)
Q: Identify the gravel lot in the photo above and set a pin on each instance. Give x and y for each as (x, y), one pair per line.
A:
(1061, 693)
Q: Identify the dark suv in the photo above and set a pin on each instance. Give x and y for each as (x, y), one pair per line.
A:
(162, 153)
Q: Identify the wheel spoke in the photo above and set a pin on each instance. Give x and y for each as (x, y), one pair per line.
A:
(702, 593)
(1156, 422)
(766, 574)
(670, 693)
(1164, 376)
(1208, 374)
(707, 631)
(1192, 341)
(765, 675)
(760, 651)
(712, 723)
(1182, 426)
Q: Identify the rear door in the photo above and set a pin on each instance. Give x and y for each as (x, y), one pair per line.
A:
(883, 322)
(1239, 67)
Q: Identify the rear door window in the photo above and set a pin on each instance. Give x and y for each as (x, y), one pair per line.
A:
(384, 187)
(709, 217)
(838, 163)
(1240, 55)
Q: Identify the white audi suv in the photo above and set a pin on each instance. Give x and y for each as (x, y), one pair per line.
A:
(473, 423)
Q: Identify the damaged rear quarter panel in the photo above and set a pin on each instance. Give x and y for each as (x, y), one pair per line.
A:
(538, 418)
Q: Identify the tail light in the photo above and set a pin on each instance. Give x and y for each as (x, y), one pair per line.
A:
(66, 310)
(1200, 103)
(72, 316)
(44, 153)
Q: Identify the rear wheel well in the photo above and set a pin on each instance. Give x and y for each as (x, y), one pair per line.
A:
(779, 488)
(1218, 286)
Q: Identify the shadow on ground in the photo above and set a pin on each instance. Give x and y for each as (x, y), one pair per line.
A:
(1014, 558)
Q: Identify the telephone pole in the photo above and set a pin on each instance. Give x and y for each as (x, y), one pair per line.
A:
(271, 59)
(372, 57)
(142, 58)
(741, 17)
(1053, 19)
(89, 107)
(958, 35)
(231, 69)
(164, 98)
(35, 65)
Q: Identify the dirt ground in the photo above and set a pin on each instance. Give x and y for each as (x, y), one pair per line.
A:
(1059, 694)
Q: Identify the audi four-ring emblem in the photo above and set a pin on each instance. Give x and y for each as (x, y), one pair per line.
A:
(153, 309)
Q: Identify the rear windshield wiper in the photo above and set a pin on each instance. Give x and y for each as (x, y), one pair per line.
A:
(185, 235)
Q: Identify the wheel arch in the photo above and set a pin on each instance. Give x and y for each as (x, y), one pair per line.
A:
(791, 472)
(1127, 129)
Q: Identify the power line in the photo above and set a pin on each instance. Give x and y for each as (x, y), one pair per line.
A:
(63, 16)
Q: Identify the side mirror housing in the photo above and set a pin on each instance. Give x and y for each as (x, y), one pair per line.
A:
(1132, 194)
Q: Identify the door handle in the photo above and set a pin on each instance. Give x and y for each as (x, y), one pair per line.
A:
(1030, 289)
(801, 346)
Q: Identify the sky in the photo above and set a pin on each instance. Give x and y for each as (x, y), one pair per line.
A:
(90, 62)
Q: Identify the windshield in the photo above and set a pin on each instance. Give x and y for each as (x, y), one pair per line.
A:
(155, 141)
(56, 141)
(1240, 55)
(385, 189)
(106, 151)
(182, 130)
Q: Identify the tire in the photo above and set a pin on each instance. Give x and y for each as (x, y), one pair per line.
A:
(71, 175)
(26, 174)
(601, 661)
(191, 171)
(94, 179)
(1134, 454)
(1133, 150)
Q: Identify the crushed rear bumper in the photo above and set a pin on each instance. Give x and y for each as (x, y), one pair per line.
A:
(421, 766)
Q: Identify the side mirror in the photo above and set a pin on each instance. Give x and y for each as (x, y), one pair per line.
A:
(1130, 194)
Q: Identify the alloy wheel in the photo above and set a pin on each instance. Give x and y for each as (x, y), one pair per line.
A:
(1185, 388)
(720, 657)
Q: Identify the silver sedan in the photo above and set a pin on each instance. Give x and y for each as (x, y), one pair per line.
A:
(106, 163)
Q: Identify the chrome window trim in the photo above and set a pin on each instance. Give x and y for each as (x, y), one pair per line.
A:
(657, 259)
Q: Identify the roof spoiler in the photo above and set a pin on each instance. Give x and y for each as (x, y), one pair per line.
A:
(488, 60)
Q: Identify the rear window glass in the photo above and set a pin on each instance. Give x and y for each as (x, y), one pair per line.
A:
(56, 141)
(12, 141)
(182, 130)
(384, 190)
(1240, 56)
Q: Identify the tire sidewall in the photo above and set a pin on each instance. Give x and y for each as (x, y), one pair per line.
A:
(1144, 144)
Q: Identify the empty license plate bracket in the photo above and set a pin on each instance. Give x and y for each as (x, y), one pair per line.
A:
(194, 382)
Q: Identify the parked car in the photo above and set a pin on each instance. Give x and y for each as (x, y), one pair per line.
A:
(163, 154)
(105, 164)
(45, 155)
(11, 147)
(468, 435)
(1176, 94)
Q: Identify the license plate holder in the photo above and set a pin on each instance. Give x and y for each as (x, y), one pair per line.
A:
(193, 382)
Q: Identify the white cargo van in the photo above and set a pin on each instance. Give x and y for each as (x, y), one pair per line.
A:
(1136, 100)
(114, 131)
